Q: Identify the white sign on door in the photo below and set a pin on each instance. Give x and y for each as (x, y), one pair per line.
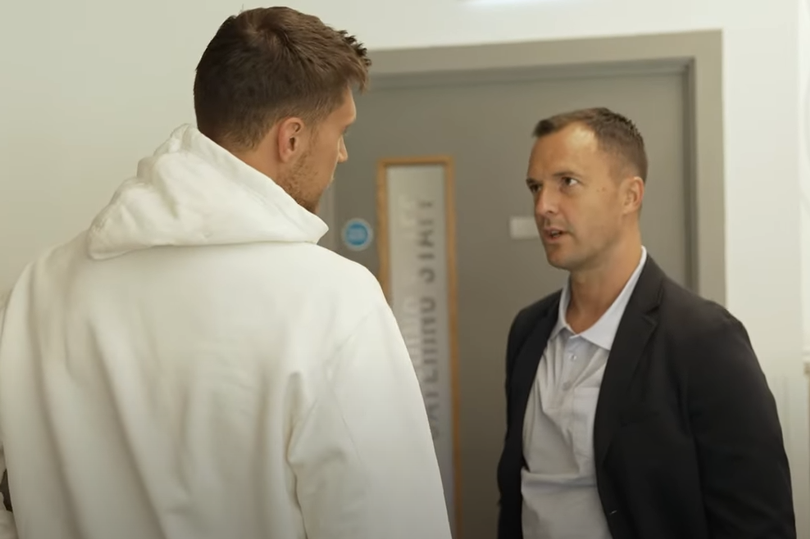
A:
(417, 259)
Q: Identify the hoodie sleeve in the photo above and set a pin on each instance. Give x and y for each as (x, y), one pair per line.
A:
(364, 458)
(8, 528)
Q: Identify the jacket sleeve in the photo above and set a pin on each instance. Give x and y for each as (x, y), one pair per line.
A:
(8, 528)
(743, 464)
(364, 460)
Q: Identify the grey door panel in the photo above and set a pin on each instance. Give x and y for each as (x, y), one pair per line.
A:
(486, 128)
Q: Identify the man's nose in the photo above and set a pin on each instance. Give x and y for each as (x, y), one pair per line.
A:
(546, 202)
(343, 154)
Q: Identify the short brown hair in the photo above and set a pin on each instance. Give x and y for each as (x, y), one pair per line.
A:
(615, 133)
(267, 64)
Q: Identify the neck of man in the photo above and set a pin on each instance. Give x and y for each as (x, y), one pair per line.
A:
(593, 290)
(259, 160)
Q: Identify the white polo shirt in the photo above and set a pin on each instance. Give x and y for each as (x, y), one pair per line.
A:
(560, 500)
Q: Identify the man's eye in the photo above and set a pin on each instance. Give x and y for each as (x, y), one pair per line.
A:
(569, 181)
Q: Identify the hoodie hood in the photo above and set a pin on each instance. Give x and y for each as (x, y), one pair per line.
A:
(193, 192)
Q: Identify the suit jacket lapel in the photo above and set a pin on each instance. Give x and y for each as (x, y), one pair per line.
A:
(636, 327)
(526, 365)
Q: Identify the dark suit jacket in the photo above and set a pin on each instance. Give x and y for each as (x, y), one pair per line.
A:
(687, 441)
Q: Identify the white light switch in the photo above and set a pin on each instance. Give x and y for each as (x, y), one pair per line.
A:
(522, 228)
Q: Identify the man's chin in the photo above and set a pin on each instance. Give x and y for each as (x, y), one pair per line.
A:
(555, 260)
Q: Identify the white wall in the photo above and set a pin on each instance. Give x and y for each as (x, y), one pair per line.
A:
(804, 81)
(95, 85)
(67, 137)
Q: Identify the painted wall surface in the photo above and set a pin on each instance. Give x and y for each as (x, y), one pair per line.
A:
(804, 164)
(88, 87)
(103, 84)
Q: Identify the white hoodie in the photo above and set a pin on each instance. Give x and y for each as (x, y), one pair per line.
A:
(195, 366)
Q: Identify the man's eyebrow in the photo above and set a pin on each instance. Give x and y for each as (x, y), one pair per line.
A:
(564, 173)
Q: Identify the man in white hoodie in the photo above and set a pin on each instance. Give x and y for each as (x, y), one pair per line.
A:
(194, 365)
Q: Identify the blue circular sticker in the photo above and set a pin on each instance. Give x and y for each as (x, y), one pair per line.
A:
(357, 234)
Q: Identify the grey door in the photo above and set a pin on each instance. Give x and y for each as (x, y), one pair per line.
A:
(486, 129)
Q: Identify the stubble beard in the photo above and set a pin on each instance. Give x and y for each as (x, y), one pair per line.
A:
(296, 181)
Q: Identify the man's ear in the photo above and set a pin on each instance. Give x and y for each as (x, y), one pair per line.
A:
(290, 135)
(633, 194)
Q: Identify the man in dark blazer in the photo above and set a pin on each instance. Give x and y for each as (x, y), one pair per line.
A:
(635, 409)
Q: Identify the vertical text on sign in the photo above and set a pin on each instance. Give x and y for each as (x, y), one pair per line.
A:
(418, 312)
